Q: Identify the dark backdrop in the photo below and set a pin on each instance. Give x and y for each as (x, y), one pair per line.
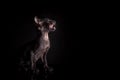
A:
(74, 45)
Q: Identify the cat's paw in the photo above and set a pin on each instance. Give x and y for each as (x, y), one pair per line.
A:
(49, 70)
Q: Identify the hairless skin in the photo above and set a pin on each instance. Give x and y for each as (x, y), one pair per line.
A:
(45, 26)
(39, 49)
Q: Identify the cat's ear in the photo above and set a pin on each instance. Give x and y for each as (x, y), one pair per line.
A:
(37, 20)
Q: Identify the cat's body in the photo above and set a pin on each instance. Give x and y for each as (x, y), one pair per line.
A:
(37, 49)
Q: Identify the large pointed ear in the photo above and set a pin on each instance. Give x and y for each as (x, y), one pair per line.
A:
(37, 20)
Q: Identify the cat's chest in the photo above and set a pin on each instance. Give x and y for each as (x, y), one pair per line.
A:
(44, 44)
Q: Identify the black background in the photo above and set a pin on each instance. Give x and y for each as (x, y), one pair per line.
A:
(75, 45)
